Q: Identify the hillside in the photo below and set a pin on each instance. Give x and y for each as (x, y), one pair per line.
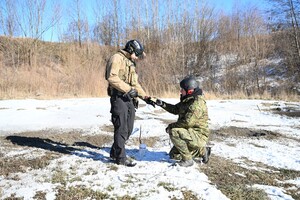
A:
(36, 69)
(264, 78)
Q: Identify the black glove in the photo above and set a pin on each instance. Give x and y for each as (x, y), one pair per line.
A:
(132, 93)
(149, 101)
(159, 102)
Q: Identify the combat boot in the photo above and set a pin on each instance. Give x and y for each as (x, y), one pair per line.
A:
(186, 163)
(127, 163)
(111, 157)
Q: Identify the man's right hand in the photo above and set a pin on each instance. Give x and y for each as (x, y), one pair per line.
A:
(132, 93)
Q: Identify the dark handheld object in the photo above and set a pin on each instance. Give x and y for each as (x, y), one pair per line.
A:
(149, 101)
(168, 130)
(132, 93)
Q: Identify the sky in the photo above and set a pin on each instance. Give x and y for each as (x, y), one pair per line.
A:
(89, 6)
(220, 5)
(228, 5)
(90, 115)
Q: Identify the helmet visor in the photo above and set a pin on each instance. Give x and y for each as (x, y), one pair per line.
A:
(139, 53)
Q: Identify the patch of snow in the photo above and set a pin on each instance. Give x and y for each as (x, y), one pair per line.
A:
(154, 168)
(274, 193)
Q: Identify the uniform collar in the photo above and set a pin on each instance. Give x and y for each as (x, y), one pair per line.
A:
(125, 53)
(187, 98)
(196, 93)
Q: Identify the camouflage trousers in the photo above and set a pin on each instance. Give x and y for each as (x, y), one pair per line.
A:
(187, 144)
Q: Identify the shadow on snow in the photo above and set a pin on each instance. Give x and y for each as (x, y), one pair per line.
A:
(59, 147)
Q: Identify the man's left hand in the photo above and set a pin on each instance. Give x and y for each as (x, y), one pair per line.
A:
(132, 93)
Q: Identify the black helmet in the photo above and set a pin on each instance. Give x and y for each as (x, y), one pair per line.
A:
(189, 83)
(134, 46)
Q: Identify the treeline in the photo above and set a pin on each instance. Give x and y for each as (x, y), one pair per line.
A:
(180, 38)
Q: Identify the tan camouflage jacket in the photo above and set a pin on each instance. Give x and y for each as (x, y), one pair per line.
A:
(121, 74)
(192, 113)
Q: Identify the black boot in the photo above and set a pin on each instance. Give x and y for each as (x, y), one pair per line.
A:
(112, 157)
(127, 163)
(186, 163)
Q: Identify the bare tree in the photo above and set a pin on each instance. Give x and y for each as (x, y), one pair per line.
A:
(78, 27)
(116, 22)
(104, 26)
(8, 21)
(27, 18)
(31, 18)
(284, 23)
(103, 31)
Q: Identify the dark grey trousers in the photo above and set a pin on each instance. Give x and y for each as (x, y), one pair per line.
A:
(122, 117)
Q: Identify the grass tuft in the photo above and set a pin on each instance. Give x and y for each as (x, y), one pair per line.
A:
(227, 176)
(168, 186)
(79, 192)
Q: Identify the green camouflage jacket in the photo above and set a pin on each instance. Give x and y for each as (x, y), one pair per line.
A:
(192, 113)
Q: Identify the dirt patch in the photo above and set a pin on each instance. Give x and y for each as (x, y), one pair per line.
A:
(290, 110)
(149, 141)
(245, 132)
(288, 113)
(55, 144)
(15, 165)
(233, 131)
(107, 128)
(64, 139)
(234, 180)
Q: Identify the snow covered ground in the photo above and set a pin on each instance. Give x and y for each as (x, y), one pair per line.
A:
(154, 176)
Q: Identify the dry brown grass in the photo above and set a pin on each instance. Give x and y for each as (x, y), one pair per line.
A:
(149, 141)
(11, 165)
(238, 95)
(223, 173)
(235, 181)
(64, 70)
(241, 95)
(79, 192)
(52, 70)
(45, 83)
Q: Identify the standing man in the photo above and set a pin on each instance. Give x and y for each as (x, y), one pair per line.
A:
(123, 89)
(190, 133)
